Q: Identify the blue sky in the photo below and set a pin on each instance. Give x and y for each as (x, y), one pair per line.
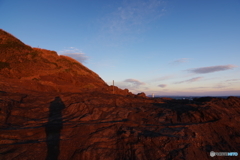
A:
(165, 47)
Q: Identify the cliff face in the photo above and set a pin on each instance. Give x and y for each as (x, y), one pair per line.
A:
(42, 70)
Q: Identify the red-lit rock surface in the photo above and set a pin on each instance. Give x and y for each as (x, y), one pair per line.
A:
(96, 126)
(42, 70)
(46, 113)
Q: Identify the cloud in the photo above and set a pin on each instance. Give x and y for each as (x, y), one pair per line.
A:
(178, 61)
(162, 85)
(210, 69)
(220, 86)
(190, 80)
(75, 54)
(198, 88)
(133, 14)
(133, 85)
(230, 80)
(134, 82)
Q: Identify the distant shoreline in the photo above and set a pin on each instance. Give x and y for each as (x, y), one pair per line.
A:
(190, 97)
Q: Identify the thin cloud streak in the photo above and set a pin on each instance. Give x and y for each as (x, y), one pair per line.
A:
(162, 85)
(190, 80)
(179, 61)
(134, 82)
(211, 69)
(230, 80)
(220, 86)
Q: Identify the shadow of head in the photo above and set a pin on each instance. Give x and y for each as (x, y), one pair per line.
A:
(56, 107)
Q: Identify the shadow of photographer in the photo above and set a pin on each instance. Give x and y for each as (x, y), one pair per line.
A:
(53, 128)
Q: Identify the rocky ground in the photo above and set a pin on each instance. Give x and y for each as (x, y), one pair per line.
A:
(53, 107)
(97, 126)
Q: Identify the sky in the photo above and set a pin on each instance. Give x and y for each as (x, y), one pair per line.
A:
(164, 47)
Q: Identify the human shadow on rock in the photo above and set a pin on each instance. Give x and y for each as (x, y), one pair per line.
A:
(53, 129)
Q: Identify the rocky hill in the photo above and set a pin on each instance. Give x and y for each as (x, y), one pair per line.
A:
(52, 107)
(42, 70)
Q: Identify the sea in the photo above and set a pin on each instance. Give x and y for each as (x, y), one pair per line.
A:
(190, 97)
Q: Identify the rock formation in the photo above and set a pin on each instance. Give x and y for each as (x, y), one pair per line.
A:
(142, 94)
(42, 70)
(49, 121)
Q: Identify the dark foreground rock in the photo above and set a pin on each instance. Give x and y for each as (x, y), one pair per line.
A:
(95, 126)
